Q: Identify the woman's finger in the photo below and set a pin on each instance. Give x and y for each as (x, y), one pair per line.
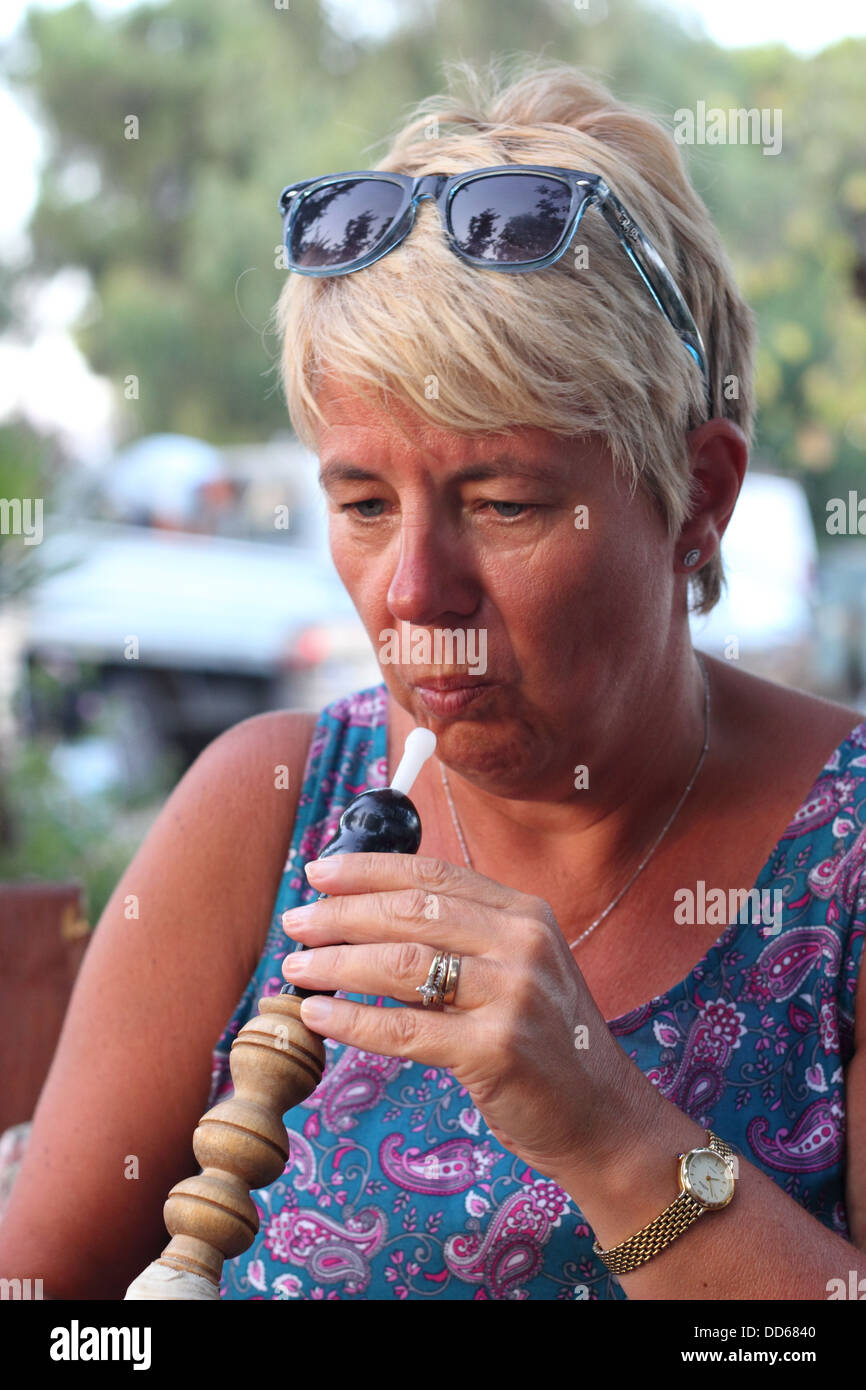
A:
(407, 914)
(366, 918)
(440, 1039)
(371, 873)
(397, 970)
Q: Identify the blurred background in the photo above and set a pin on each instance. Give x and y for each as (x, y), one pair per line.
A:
(178, 578)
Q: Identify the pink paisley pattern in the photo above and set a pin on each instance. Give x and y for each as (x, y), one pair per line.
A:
(302, 1161)
(509, 1254)
(396, 1189)
(789, 960)
(820, 808)
(357, 1082)
(442, 1169)
(814, 1142)
(331, 1251)
(840, 876)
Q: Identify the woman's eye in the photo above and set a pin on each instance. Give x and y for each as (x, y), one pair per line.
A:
(512, 510)
(370, 508)
(361, 507)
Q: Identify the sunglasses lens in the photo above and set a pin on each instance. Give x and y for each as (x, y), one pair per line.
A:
(342, 221)
(510, 217)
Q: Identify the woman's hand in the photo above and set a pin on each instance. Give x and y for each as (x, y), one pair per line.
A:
(523, 1036)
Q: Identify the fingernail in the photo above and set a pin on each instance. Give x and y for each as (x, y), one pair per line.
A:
(316, 1010)
(297, 917)
(320, 868)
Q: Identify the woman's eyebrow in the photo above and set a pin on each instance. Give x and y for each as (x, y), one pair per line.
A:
(338, 472)
(502, 466)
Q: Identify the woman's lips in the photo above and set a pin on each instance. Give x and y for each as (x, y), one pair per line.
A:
(451, 695)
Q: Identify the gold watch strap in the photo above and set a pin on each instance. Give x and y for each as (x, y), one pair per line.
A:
(661, 1231)
(714, 1142)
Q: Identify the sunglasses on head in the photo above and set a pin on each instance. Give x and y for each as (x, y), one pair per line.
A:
(510, 217)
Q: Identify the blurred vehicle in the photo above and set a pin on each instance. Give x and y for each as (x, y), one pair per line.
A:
(199, 591)
(186, 633)
(172, 481)
(766, 616)
(842, 629)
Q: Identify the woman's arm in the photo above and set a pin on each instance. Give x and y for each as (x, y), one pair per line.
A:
(763, 1245)
(171, 956)
(588, 1116)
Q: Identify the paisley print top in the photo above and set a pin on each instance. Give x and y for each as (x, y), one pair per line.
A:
(396, 1188)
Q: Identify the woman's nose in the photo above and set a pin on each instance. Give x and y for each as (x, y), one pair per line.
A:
(433, 576)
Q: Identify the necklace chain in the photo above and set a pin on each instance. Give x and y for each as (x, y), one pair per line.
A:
(647, 857)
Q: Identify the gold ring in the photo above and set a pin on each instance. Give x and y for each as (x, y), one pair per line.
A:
(449, 989)
(431, 990)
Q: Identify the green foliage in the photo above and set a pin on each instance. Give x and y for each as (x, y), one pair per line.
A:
(50, 832)
(25, 472)
(179, 227)
(57, 836)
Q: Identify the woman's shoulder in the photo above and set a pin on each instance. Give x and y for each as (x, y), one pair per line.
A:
(314, 758)
(289, 748)
(795, 727)
(284, 731)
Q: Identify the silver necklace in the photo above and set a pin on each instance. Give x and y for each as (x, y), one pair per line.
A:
(659, 839)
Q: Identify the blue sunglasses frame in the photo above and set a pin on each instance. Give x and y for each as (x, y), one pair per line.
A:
(587, 190)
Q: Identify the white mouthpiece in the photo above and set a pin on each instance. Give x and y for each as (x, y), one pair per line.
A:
(419, 746)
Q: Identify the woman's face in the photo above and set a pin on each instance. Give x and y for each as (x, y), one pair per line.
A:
(450, 532)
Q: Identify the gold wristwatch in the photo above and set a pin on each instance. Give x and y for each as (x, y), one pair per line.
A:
(706, 1178)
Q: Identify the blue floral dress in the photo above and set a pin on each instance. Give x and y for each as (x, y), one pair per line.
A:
(396, 1188)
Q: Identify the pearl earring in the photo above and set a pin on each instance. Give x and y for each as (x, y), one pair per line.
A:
(691, 558)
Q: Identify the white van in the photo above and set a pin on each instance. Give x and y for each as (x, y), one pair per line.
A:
(766, 616)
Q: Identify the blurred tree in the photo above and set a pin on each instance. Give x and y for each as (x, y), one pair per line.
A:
(46, 830)
(27, 470)
(171, 131)
(178, 226)
(24, 471)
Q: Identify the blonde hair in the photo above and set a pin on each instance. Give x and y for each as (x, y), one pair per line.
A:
(565, 352)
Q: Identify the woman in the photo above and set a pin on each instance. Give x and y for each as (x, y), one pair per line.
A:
(596, 783)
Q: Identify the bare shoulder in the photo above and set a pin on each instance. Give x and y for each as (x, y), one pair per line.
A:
(169, 960)
(281, 728)
(781, 719)
(233, 813)
(251, 745)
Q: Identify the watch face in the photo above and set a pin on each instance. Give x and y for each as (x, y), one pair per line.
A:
(706, 1176)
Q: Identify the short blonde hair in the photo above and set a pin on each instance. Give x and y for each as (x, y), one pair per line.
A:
(571, 353)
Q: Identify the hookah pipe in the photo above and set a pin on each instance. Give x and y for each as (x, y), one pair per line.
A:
(276, 1062)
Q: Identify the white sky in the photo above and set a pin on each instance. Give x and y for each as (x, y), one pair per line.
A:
(79, 403)
(804, 27)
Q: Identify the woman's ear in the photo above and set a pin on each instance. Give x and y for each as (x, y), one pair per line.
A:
(719, 454)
